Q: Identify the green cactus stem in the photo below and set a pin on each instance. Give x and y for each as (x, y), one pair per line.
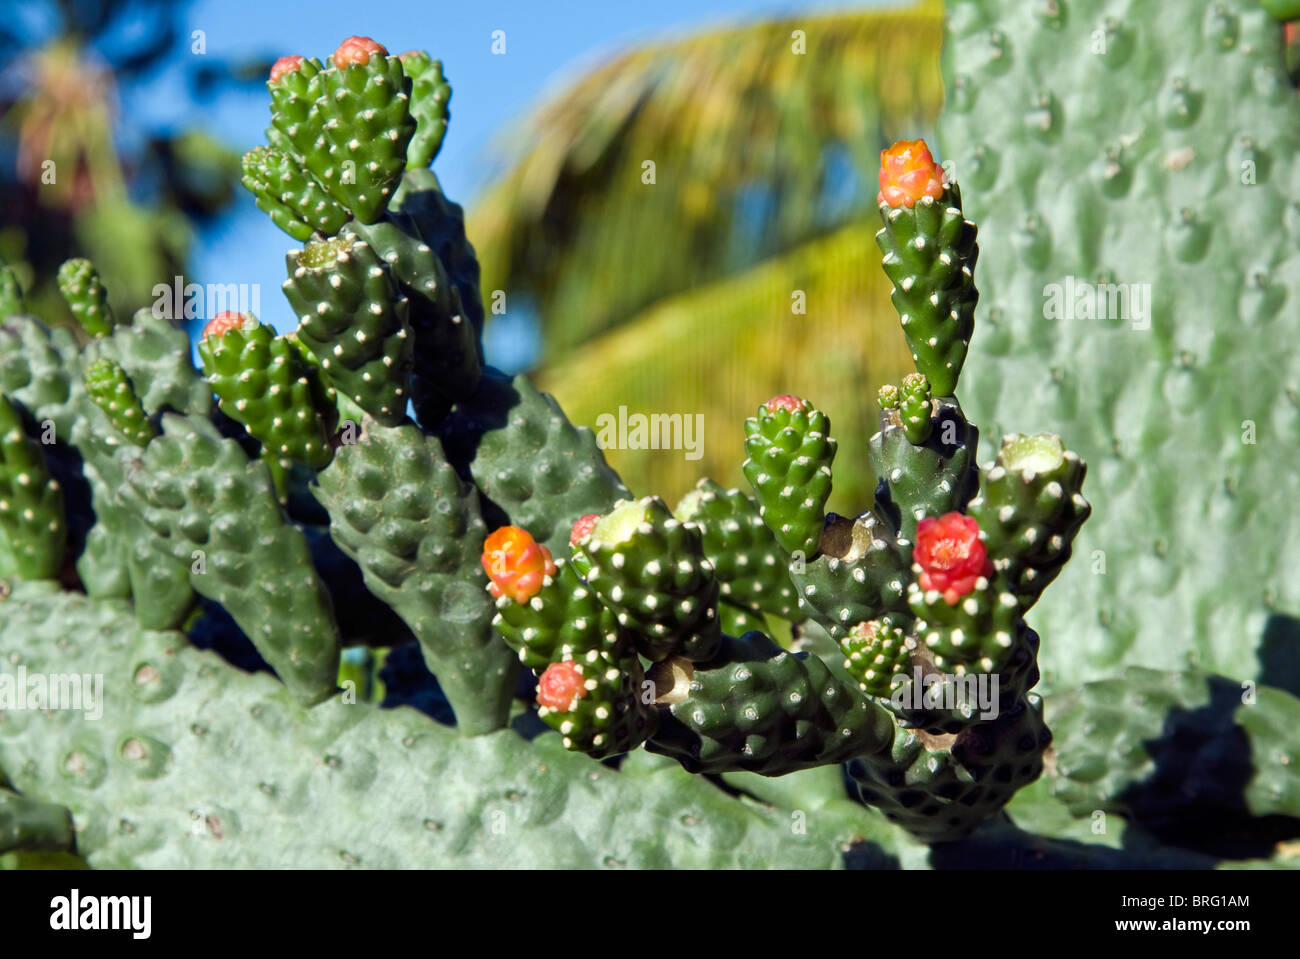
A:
(30, 825)
(789, 451)
(766, 710)
(430, 95)
(354, 322)
(32, 526)
(915, 408)
(1030, 508)
(349, 125)
(261, 382)
(218, 512)
(861, 574)
(929, 254)
(650, 568)
(937, 475)
(288, 194)
(111, 389)
(597, 703)
(414, 527)
(447, 353)
(750, 567)
(875, 651)
(563, 618)
(535, 469)
(942, 787)
(84, 292)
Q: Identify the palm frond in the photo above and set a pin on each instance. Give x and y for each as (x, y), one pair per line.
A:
(756, 149)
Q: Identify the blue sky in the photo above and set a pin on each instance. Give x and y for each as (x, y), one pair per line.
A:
(547, 45)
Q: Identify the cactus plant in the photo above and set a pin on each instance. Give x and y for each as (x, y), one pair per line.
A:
(460, 508)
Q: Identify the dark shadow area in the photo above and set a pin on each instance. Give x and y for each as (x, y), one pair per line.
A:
(465, 425)
(1279, 654)
(1000, 844)
(1195, 797)
(215, 629)
(408, 682)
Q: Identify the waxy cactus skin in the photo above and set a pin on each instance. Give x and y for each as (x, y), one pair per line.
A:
(489, 532)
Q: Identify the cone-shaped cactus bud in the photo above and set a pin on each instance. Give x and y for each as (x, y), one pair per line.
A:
(516, 564)
(949, 556)
(1030, 506)
(914, 407)
(83, 291)
(285, 65)
(929, 254)
(294, 200)
(348, 125)
(650, 568)
(355, 323)
(790, 451)
(110, 388)
(430, 95)
(875, 651)
(261, 382)
(32, 529)
(11, 293)
(907, 173)
(888, 397)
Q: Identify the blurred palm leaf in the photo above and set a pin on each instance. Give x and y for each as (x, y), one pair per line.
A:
(676, 296)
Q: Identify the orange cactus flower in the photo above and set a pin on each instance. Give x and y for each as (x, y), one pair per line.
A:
(907, 173)
(516, 564)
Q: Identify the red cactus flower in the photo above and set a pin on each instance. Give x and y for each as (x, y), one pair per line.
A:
(223, 323)
(951, 555)
(785, 402)
(582, 528)
(907, 173)
(357, 50)
(561, 686)
(516, 564)
(284, 65)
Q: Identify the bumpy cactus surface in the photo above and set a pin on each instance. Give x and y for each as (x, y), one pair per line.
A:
(363, 489)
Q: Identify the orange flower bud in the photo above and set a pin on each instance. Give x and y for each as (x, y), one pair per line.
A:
(907, 173)
(357, 50)
(516, 564)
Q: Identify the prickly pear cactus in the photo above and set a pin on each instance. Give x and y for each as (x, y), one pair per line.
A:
(364, 492)
(1139, 171)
